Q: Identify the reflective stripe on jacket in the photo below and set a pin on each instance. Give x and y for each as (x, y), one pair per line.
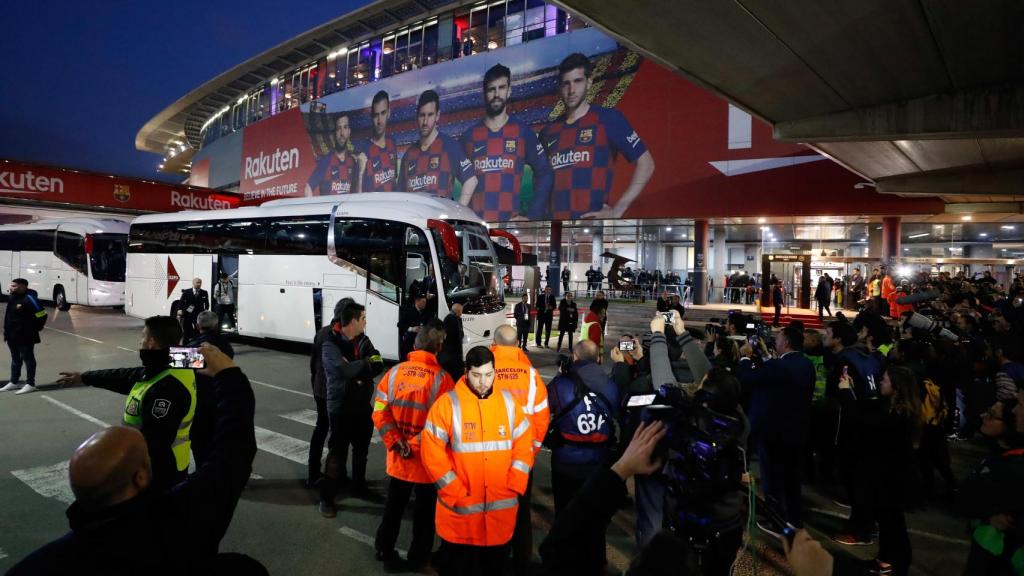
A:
(478, 452)
(514, 372)
(136, 398)
(404, 396)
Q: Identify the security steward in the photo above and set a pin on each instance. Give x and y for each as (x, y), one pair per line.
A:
(404, 395)
(477, 449)
(516, 375)
(161, 400)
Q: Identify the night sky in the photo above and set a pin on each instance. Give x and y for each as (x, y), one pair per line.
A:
(81, 78)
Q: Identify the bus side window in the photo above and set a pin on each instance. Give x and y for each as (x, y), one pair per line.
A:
(71, 249)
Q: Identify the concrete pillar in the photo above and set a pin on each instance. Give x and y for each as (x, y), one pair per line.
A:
(700, 265)
(597, 249)
(891, 229)
(555, 257)
(719, 260)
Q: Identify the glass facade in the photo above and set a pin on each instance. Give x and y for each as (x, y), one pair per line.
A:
(458, 34)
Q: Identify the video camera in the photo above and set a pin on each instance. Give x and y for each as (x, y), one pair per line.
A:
(702, 452)
(932, 327)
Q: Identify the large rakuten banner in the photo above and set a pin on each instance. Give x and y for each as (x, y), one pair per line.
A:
(572, 126)
(62, 186)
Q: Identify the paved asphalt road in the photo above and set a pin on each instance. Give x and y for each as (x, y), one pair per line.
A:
(276, 520)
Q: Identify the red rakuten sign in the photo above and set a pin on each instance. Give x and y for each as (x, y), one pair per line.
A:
(46, 184)
(277, 159)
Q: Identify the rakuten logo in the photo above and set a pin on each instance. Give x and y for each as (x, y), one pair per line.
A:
(418, 182)
(29, 183)
(488, 164)
(569, 157)
(269, 166)
(384, 177)
(190, 201)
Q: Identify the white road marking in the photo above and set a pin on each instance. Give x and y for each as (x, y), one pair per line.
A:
(48, 481)
(76, 335)
(281, 388)
(308, 417)
(76, 412)
(281, 445)
(126, 349)
(2, 554)
(363, 538)
(916, 532)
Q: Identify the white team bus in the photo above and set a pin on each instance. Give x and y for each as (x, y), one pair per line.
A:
(67, 260)
(292, 260)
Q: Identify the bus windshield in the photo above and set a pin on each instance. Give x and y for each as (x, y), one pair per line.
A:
(473, 282)
(108, 257)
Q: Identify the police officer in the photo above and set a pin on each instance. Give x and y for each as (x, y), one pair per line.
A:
(404, 395)
(477, 449)
(161, 400)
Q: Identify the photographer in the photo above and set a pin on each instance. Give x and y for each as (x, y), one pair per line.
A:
(780, 416)
(650, 489)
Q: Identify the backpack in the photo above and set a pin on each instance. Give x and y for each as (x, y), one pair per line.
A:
(933, 406)
(39, 315)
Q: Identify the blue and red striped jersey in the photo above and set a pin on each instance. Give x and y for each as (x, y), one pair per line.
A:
(499, 158)
(333, 175)
(381, 166)
(582, 155)
(434, 169)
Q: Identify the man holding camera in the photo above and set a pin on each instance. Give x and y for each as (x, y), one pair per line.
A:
(780, 416)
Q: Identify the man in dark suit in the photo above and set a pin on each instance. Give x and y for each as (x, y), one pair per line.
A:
(780, 410)
(522, 316)
(546, 305)
(451, 356)
(410, 318)
(193, 301)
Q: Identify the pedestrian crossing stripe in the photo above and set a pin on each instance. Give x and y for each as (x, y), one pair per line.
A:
(48, 481)
(308, 417)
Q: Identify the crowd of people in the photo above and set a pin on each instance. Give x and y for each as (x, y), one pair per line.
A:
(712, 424)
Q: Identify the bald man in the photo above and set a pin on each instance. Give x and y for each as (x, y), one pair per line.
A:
(121, 524)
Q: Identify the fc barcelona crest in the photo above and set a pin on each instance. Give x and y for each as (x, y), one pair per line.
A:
(586, 135)
(435, 162)
(122, 193)
(510, 146)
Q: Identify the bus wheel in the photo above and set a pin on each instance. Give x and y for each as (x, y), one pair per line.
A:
(60, 301)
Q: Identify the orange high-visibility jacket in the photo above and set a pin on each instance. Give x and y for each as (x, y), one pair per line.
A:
(514, 372)
(404, 396)
(478, 453)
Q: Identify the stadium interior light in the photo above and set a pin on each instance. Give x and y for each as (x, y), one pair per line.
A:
(586, 230)
(966, 218)
(241, 100)
(761, 220)
(1008, 227)
(342, 51)
(275, 81)
(668, 228)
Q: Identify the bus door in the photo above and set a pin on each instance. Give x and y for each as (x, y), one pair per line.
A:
(203, 267)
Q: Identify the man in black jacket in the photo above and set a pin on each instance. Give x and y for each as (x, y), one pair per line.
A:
(451, 357)
(411, 318)
(546, 305)
(318, 380)
(165, 402)
(566, 276)
(193, 301)
(122, 524)
(23, 321)
(780, 412)
(350, 364)
(205, 418)
(521, 313)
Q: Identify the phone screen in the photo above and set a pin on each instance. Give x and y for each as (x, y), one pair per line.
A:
(667, 316)
(187, 358)
(626, 345)
(641, 400)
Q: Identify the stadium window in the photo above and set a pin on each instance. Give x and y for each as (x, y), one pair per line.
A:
(514, 22)
(389, 56)
(429, 45)
(415, 47)
(495, 26)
